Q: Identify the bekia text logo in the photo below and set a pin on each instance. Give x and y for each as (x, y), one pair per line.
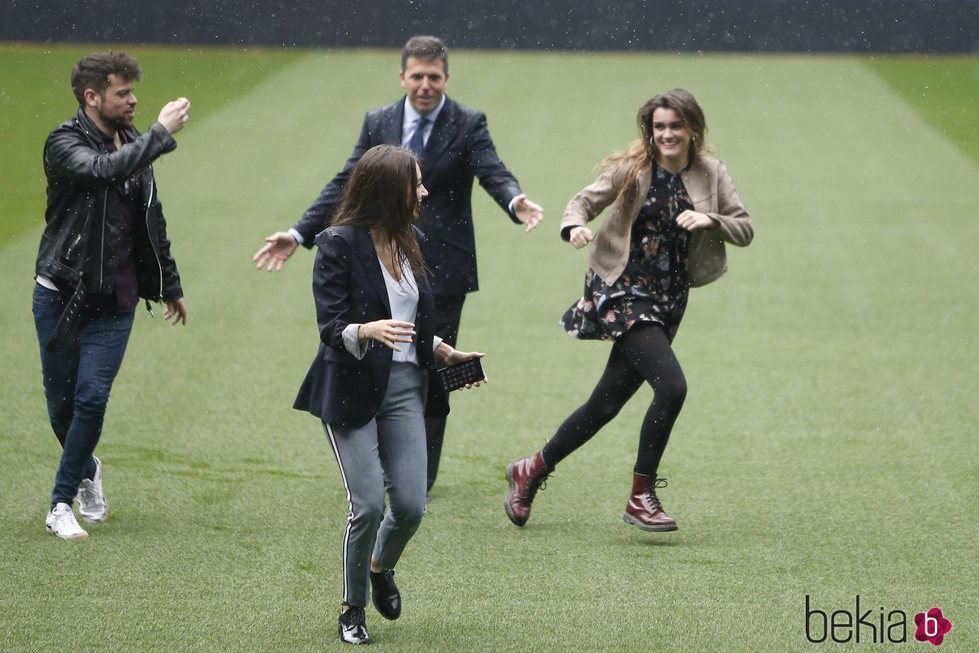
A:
(873, 625)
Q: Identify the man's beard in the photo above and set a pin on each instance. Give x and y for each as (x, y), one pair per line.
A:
(116, 123)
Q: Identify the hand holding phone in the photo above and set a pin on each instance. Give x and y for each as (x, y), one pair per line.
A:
(458, 376)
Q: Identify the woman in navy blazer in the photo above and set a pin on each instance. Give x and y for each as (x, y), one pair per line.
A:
(373, 380)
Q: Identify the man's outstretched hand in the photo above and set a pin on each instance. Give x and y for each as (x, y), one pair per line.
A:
(276, 251)
(528, 212)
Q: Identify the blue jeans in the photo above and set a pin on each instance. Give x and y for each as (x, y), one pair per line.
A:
(77, 380)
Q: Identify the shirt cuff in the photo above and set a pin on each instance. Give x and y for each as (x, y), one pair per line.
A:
(509, 207)
(352, 343)
(298, 236)
(436, 341)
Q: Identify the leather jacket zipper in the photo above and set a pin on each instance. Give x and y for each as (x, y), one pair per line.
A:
(153, 245)
(105, 203)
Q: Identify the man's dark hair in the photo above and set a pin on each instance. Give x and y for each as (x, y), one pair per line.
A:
(425, 47)
(93, 72)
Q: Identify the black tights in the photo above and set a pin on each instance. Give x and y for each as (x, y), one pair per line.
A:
(642, 354)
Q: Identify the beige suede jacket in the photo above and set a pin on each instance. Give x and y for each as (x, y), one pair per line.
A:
(710, 189)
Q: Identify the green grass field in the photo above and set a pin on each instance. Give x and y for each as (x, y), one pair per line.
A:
(827, 447)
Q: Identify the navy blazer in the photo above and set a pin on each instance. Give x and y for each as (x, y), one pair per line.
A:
(459, 149)
(348, 287)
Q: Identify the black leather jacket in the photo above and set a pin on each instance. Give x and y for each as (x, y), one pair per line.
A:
(84, 213)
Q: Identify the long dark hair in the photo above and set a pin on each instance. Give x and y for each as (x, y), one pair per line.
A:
(642, 153)
(382, 194)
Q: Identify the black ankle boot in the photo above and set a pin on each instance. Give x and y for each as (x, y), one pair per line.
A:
(385, 594)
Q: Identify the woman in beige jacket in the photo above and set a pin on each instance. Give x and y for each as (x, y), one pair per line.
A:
(671, 209)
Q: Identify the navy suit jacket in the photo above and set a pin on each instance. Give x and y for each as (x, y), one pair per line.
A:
(459, 149)
(348, 287)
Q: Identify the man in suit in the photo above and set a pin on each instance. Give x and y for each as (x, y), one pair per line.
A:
(454, 146)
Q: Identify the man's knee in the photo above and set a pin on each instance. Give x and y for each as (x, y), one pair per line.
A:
(91, 400)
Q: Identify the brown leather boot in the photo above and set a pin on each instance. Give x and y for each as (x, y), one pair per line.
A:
(644, 509)
(526, 476)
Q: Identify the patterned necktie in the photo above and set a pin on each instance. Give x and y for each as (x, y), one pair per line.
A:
(417, 142)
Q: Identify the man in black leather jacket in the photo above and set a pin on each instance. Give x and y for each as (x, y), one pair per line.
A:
(103, 248)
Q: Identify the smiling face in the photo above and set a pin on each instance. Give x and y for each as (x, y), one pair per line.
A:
(115, 108)
(671, 138)
(424, 80)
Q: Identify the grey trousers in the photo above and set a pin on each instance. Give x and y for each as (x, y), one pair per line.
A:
(386, 453)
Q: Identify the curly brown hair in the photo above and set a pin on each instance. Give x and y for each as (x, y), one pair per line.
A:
(93, 71)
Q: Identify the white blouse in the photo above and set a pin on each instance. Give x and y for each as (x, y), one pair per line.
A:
(403, 297)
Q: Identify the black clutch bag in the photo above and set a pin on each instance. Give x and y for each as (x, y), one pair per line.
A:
(454, 377)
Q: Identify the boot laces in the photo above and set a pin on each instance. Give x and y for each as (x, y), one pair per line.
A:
(651, 492)
(537, 483)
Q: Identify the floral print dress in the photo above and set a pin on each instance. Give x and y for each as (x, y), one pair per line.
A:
(654, 285)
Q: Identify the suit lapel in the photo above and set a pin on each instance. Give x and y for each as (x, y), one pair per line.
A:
(393, 124)
(368, 257)
(444, 131)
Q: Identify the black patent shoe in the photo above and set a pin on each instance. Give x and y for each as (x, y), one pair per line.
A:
(385, 594)
(353, 627)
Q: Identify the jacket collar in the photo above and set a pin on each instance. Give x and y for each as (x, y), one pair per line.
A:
(96, 135)
(695, 179)
(444, 131)
(409, 115)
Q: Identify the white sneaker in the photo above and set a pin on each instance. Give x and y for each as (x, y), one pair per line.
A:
(92, 505)
(61, 522)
